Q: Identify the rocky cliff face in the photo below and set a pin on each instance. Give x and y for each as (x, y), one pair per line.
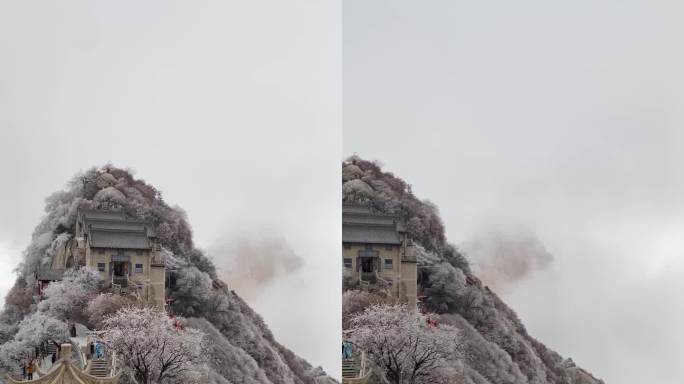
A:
(496, 346)
(241, 347)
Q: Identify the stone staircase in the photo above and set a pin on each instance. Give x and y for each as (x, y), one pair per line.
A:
(350, 368)
(99, 368)
(355, 369)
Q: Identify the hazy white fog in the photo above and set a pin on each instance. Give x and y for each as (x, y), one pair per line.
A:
(560, 118)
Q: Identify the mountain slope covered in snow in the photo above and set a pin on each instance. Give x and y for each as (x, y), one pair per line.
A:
(497, 348)
(240, 347)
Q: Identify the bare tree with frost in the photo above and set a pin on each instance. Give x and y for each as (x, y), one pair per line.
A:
(154, 346)
(104, 305)
(35, 330)
(68, 299)
(405, 345)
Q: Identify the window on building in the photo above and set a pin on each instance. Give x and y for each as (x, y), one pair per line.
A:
(348, 263)
(101, 267)
(389, 263)
(138, 268)
(389, 247)
(346, 245)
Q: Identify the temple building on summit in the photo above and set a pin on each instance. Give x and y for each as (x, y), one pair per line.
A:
(125, 251)
(377, 253)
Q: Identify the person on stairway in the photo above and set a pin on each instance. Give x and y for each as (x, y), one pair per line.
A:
(99, 350)
(29, 370)
(346, 349)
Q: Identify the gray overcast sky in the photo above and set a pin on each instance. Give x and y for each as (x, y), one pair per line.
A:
(564, 118)
(232, 109)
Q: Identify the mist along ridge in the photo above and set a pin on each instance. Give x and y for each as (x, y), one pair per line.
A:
(413, 310)
(111, 289)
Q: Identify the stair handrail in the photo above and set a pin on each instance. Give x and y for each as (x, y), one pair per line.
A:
(108, 360)
(112, 370)
(362, 372)
(81, 356)
(138, 286)
(116, 287)
(387, 282)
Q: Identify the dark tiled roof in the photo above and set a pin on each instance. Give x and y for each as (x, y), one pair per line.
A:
(369, 219)
(356, 208)
(368, 234)
(116, 226)
(118, 239)
(109, 229)
(96, 214)
(110, 218)
(359, 213)
(361, 225)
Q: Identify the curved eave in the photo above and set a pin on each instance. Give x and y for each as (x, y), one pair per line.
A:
(57, 376)
(51, 377)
